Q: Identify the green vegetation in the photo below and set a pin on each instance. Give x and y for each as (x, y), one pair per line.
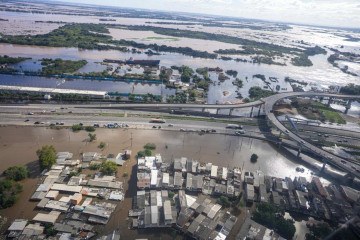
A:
(177, 98)
(312, 51)
(60, 66)
(186, 72)
(47, 156)
(255, 93)
(77, 127)
(94, 166)
(351, 89)
(9, 191)
(150, 146)
(92, 137)
(16, 173)
(318, 111)
(224, 201)
(266, 60)
(238, 82)
(318, 231)
(11, 60)
(102, 145)
(301, 60)
(270, 216)
(254, 157)
(85, 36)
(108, 168)
(232, 73)
(89, 129)
(147, 98)
(147, 150)
(171, 194)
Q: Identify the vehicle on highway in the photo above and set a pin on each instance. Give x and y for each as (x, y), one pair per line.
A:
(239, 132)
(302, 142)
(213, 130)
(155, 127)
(52, 124)
(30, 113)
(96, 125)
(343, 161)
(26, 120)
(234, 126)
(61, 123)
(37, 122)
(170, 125)
(81, 124)
(286, 131)
(182, 130)
(53, 111)
(157, 120)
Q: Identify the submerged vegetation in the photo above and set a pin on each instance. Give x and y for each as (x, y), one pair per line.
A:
(11, 60)
(60, 66)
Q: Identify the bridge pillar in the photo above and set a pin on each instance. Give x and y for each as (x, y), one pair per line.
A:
(203, 110)
(217, 111)
(330, 101)
(299, 152)
(231, 111)
(323, 167)
(259, 110)
(251, 112)
(348, 106)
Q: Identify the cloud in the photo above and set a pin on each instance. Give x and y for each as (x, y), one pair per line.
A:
(343, 13)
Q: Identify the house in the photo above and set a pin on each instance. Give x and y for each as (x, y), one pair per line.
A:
(32, 230)
(263, 197)
(301, 199)
(165, 180)
(214, 171)
(319, 187)
(249, 178)
(76, 198)
(250, 193)
(194, 182)
(52, 194)
(300, 184)
(90, 156)
(16, 228)
(47, 218)
(350, 194)
(178, 180)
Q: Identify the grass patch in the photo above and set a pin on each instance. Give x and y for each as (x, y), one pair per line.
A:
(318, 111)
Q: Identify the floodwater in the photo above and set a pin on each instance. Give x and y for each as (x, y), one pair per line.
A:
(19, 144)
(94, 85)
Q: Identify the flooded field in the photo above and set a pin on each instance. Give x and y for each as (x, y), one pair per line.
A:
(18, 146)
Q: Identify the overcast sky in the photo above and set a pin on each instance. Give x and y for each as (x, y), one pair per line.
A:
(345, 13)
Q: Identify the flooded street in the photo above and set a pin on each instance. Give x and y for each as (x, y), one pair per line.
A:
(19, 144)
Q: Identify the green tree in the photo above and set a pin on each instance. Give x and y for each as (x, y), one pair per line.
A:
(148, 152)
(47, 156)
(108, 168)
(89, 129)
(318, 231)
(102, 145)
(77, 127)
(254, 157)
(92, 137)
(140, 154)
(150, 146)
(16, 173)
(224, 201)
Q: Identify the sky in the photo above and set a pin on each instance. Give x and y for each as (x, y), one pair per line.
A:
(335, 13)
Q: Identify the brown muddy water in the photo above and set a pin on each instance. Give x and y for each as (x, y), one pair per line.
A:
(18, 146)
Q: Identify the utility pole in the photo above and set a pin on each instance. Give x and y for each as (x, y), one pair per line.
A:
(131, 139)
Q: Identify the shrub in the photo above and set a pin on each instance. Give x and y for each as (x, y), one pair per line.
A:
(254, 157)
(89, 129)
(47, 156)
(102, 145)
(108, 168)
(150, 146)
(16, 173)
(77, 127)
